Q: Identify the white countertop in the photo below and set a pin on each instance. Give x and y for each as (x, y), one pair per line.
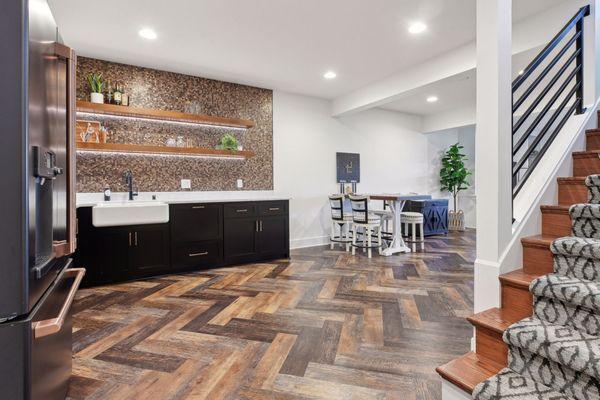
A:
(91, 199)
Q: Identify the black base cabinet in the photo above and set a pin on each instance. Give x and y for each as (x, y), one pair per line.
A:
(197, 236)
(255, 232)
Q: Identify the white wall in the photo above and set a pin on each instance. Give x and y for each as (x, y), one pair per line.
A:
(438, 142)
(394, 158)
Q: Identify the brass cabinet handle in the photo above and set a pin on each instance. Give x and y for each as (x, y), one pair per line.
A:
(51, 326)
(136, 238)
(129, 239)
(204, 253)
(197, 207)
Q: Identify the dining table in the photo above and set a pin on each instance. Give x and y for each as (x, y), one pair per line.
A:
(396, 203)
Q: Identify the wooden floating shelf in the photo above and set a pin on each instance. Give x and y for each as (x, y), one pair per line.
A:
(162, 150)
(162, 115)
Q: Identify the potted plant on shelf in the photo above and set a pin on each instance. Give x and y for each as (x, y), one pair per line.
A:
(453, 178)
(228, 142)
(96, 86)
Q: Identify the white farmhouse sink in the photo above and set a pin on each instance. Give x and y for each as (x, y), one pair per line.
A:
(129, 213)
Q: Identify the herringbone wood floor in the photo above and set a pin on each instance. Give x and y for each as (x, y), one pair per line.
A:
(323, 325)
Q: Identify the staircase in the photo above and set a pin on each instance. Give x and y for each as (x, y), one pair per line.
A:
(544, 342)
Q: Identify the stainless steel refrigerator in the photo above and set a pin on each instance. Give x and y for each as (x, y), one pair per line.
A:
(37, 223)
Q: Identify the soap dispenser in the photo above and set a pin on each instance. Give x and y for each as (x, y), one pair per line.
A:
(106, 193)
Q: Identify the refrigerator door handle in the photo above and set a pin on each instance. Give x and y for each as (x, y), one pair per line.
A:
(50, 326)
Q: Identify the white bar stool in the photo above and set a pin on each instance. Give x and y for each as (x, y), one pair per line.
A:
(371, 224)
(415, 220)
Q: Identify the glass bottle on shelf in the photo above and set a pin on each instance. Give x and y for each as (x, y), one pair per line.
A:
(118, 94)
(109, 93)
(124, 97)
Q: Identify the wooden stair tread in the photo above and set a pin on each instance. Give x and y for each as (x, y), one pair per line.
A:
(469, 370)
(593, 132)
(555, 209)
(495, 319)
(542, 241)
(586, 153)
(518, 278)
(571, 180)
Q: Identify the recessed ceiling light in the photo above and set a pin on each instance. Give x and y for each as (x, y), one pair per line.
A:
(417, 27)
(432, 99)
(329, 75)
(148, 33)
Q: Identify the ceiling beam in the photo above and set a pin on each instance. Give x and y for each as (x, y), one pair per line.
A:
(528, 34)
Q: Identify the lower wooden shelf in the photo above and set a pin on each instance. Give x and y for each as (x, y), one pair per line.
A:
(162, 150)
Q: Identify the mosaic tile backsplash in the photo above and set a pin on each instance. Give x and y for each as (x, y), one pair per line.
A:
(149, 88)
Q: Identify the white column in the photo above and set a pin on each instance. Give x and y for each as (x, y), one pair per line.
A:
(493, 146)
(591, 62)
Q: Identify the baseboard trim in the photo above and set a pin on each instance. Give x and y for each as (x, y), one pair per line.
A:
(309, 242)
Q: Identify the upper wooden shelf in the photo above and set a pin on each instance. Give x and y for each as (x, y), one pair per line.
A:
(158, 150)
(162, 115)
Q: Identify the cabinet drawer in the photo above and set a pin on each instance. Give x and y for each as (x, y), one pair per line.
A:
(196, 222)
(240, 210)
(273, 208)
(198, 254)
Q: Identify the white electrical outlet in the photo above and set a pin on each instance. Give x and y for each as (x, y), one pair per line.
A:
(186, 184)
(240, 183)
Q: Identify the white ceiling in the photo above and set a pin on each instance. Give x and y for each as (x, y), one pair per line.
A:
(455, 92)
(277, 44)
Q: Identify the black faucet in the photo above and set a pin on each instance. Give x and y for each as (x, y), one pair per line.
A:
(129, 182)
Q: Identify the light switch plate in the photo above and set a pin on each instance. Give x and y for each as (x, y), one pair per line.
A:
(186, 184)
(240, 183)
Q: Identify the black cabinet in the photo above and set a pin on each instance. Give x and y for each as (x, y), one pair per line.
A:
(197, 236)
(120, 253)
(149, 249)
(435, 215)
(273, 237)
(110, 259)
(241, 239)
(196, 222)
(262, 235)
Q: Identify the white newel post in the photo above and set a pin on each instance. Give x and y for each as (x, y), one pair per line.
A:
(591, 59)
(493, 147)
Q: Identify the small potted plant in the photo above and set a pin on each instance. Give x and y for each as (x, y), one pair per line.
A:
(453, 178)
(96, 86)
(228, 142)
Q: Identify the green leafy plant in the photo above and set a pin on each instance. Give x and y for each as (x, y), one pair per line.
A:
(228, 142)
(454, 174)
(96, 83)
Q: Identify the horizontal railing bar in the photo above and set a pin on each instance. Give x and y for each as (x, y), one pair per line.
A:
(544, 130)
(545, 147)
(551, 84)
(542, 113)
(583, 12)
(546, 70)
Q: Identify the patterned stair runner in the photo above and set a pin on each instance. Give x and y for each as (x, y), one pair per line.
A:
(555, 354)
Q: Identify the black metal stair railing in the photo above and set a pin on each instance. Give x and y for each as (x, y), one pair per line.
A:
(544, 100)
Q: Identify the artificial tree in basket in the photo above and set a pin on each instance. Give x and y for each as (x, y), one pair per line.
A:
(453, 178)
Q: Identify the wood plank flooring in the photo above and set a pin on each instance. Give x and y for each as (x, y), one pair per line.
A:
(322, 325)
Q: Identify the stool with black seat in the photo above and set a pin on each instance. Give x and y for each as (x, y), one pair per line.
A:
(371, 224)
(341, 220)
